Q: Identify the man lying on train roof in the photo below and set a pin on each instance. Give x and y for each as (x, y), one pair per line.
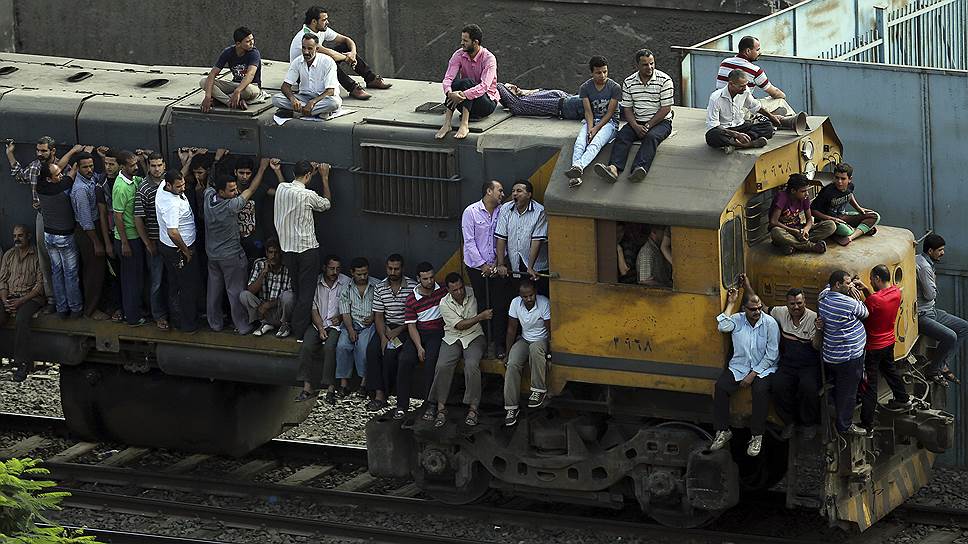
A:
(314, 76)
(726, 124)
(831, 204)
(343, 51)
(245, 63)
(540, 102)
(749, 51)
(22, 293)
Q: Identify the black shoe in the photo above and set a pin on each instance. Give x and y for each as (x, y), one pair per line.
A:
(376, 405)
(76, 315)
(344, 392)
(63, 315)
(330, 398)
(20, 374)
(511, 417)
(304, 396)
(399, 413)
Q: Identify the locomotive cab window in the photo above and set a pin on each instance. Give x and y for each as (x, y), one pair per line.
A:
(634, 253)
(731, 248)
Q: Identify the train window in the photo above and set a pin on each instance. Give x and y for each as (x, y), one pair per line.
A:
(758, 217)
(410, 181)
(619, 245)
(731, 247)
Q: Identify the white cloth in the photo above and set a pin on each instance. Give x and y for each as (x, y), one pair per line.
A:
(174, 212)
(295, 48)
(726, 111)
(532, 321)
(314, 79)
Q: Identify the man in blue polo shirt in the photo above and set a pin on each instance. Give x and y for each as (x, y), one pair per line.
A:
(844, 339)
(245, 63)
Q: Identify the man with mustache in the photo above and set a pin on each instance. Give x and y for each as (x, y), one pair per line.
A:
(315, 77)
(22, 293)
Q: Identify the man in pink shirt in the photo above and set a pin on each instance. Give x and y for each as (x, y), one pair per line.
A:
(475, 91)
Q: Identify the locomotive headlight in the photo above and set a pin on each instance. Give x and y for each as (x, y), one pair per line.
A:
(810, 170)
(806, 149)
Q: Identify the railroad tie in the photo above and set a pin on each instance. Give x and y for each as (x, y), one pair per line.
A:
(254, 468)
(358, 482)
(409, 490)
(307, 474)
(188, 464)
(73, 452)
(25, 446)
(124, 457)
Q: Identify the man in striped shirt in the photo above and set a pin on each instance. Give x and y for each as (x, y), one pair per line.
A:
(522, 239)
(296, 227)
(844, 340)
(146, 222)
(647, 109)
(749, 51)
(426, 329)
(389, 307)
(356, 308)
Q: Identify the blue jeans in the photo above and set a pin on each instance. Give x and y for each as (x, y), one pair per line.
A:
(585, 151)
(949, 330)
(156, 273)
(64, 272)
(349, 354)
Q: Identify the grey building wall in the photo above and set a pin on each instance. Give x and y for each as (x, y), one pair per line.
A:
(538, 43)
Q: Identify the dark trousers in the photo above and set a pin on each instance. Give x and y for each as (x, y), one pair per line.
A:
(647, 148)
(726, 385)
(845, 378)
(361, 69)
(132, 280)
(21, 342)
(494, 293)
(304, 272)
(321, 373)
(879, 362)
(796, 393)
(480, 107)
(381, 368)
(949, 330)
(111, 289)
(184, 287)
(407, 364)
(718, 137)
(92, 272)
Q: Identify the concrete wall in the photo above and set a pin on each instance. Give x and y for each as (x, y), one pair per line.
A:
(538, 43)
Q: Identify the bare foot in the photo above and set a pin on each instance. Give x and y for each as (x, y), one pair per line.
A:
(443, 132)
(462, 133)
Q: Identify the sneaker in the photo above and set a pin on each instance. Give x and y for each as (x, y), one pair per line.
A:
(330, 397)
(756, 444)
(722, 437)
(376, 405)
(283, 331)
(263, 329)
(574, 182)
(399, 414)
(574, 172)
(855, 430)
(536, 399)
(511, 417)
(895, 404)
(20, 374)
(638, 175)
(605, 173)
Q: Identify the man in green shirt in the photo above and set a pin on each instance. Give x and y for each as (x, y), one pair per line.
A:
(127, 244)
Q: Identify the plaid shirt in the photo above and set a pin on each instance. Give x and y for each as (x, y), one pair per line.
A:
(546, 102)
(275, 282)
(28, 174)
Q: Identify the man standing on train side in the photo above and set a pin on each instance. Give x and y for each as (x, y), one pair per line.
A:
(647, 97)
(22, 294)
(749, 51)
(323, 333)
(756, 350)
(245, 63)
(474, 93)
(522, 238)
(146, 221)
(178, 247)
(127, 243)
(389, 308)
(296, 226)
(89, 244)
(478, 223)
(343, 51)
(844, 340)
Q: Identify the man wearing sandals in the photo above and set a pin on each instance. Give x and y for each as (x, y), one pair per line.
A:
(533, 312)
(949, 330)
(463, 337)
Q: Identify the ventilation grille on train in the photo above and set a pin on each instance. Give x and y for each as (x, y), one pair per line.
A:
(410, 181)
(758, 213)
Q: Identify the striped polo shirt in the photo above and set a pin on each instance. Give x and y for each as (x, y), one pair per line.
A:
(393, 305)
(424, 310)
(844, 337)
(646, 98)
(293, 211)
(757, 77)
(519, 230)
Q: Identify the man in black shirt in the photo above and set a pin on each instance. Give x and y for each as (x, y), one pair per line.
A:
(831, 203)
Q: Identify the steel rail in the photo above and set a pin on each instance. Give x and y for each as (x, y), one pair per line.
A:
(126, 537)
(939, 516)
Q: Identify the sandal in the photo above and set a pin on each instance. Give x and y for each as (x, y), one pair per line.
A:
(441, 418)
(162, 324)
(950, 376)
(471, 419)
(117, 316)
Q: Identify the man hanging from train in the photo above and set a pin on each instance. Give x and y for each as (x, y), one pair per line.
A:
(756, 350)
(478, 223)
(178, 246)
(533, 313)
(146, 221)
(647, 97)
(343, 51)
(522, 238)
(425, 327)
(356, 311)
(726, 124)
(268, 296)
(949, 330)
(245, 63)
(844, 339)
(54, 189)
(22, 293)
(89, 244)
(323, 333)
(749, 51)
(831, 204)
(314, 77)
(474, 93)
(127, 244)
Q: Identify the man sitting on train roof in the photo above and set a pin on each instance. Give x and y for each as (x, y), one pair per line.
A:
(245, 63)
(726, 124)
(756, 350)
(540, 102)
(647, 97)
(474, 93)
(22, 293)
(599, 95)
(749, 51)
(344, 50)
(314, 75)
(831, 204)
(791, 224)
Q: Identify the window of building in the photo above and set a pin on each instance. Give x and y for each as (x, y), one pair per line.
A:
(410, 181)
(622, 250)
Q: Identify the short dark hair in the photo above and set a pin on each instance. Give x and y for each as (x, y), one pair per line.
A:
(527, 185)
(241, 33)
(838, 276)
(273, 242)
(881, 272)
(49, 141)
(311, 36)
(747, 42)
(796, 182)
(302, 168)
(748, 297)
(124, 156)
(155, 156)
(83, 156)
(313, 13)
(643, 53)
(424, 267)
(172, 175)
(330, 258)
(244, 162)
(527, 282)
(736, 75)
(45, 172)
(453, 278)
(359, 262)
(794, 292)
(221, 182)
(597, 62)
(474, 32)
(932, 241)
(487, 186)
(844, 168)
(24, 228)
(395, 258)
(199, 161)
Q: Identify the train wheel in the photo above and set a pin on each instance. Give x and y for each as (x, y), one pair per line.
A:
(478, 485)
(679, 519)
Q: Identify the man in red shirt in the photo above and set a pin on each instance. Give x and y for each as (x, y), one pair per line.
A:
(883, 305)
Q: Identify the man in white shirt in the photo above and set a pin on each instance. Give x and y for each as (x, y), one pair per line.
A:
(726, 123)
(322, 334)
(533, 312)
(177, 234)
(315, 78)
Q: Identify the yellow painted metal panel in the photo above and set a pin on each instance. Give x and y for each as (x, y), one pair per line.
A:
(695, 260)
(571, 249)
